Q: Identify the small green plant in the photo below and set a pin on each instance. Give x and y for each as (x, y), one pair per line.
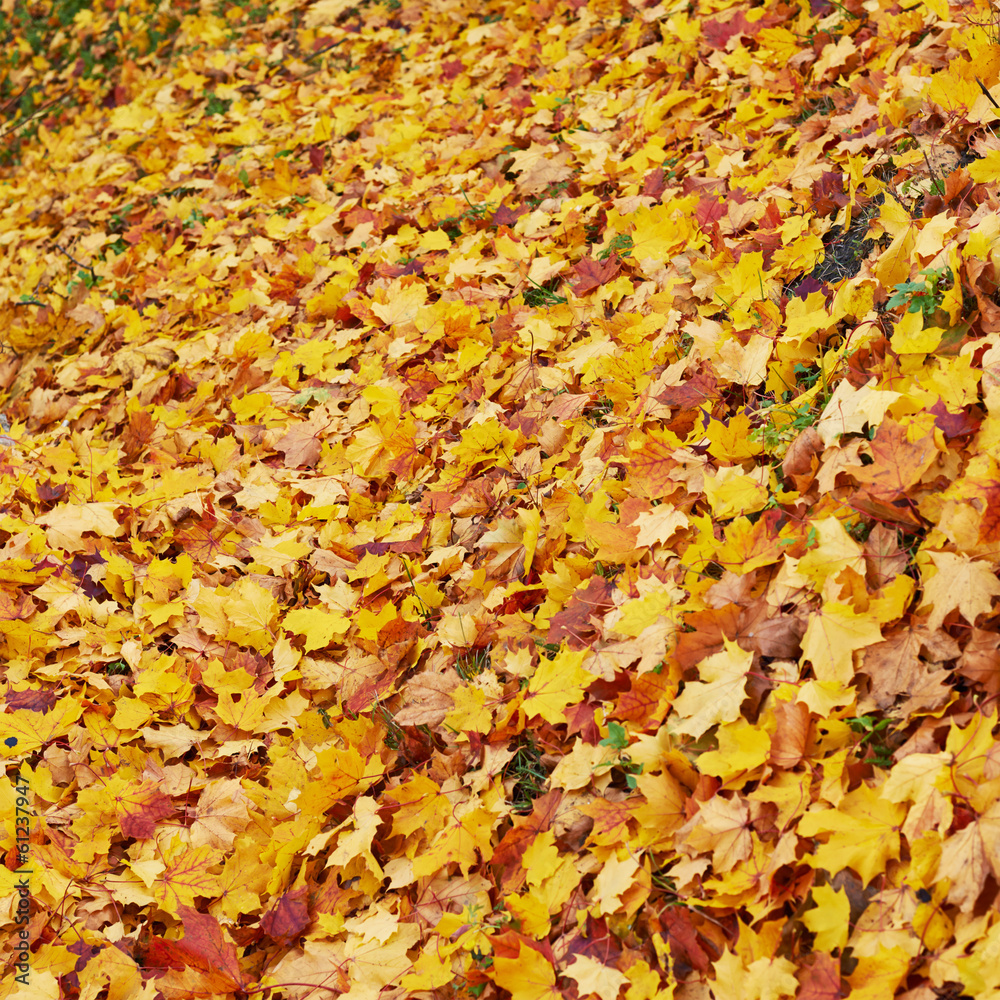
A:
(426, 612)
(119, 220)
(547, 649)
(196, 218)
(617, 739)
(554, 189)
(216, 105)
(87, 278)
(682, 345)
(773, 435)
(472, 663)
(394, 735)
(527, 771)
(819, 106)
(807, 376)
(597, 414)
(309, 398)
(923, 296)
(873, 736)
(859, 530)
(671, 165)
(664, 882)
(620, 244)
(544, 295)
(117, 668)
(909, 542)
(452, 224)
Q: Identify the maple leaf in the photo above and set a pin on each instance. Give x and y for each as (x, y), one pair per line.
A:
(820, 979)
(527, 974)
(251, 611)
(960, 583)
(288, 918)
(789, 742)
(849, 409)
(863, 833)
(831, 638)
(187, 874)
(555, 684)
(763, 979)
(717, 698)
(203, 950)
(595, 978)
(591, 274)
(140, 809)
(901, 456)
(878, 974)
(722, 827)
(25, 731)
(829, 921)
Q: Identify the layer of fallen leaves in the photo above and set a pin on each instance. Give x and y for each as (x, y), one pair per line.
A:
(502, 501)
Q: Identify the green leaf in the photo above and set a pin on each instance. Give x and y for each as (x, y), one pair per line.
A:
(617, 737)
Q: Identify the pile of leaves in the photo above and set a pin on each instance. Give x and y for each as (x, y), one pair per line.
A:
(501, 500)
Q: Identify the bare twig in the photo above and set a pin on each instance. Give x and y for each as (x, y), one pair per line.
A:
(989, 96)
(86, 267)
(14, 99)
(34, 114)
(326, 48)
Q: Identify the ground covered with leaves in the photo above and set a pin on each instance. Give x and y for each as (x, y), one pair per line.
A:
(500, 500)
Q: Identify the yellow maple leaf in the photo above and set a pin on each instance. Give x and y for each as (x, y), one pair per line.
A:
(529, 976)
(431, 970)
(862, 833)
(830, 919)
(878, 976)
(557, 683)
(764, 979)
(832, 636)
(733, 493)
(614, 883)
(960, 584)
(25, 731)
(187, 873)
(718, 696)
(722, 826)
(594, 978)
(252, 612)
(849, 409)
(66, 524)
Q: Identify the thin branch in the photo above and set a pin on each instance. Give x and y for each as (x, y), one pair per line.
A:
(14, 99)
(326, 48)
(308, 59)
(34, 114)
(86, 267)
(989, 96)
